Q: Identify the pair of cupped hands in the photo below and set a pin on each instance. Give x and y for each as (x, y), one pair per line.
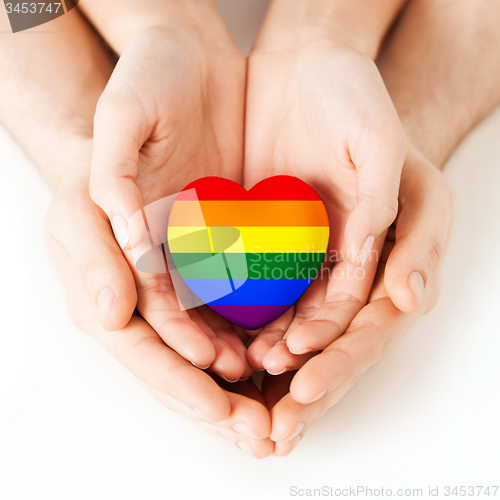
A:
(179, 107)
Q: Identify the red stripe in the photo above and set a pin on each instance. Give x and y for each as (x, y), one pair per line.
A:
(278, 188)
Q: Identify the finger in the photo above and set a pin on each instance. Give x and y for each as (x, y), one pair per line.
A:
(267, 339)
(145, 355)
(291, 420)
(378, 157)
(235, 344)
(140, 350)
(275, 389)
(280, 360)
(312, 300)
(248, 417)
(422, 234)
(227, 363)
(248, 425)
(284, 448)
(87, 238)
(257, 448)
(121, 127)
(346, 293)
(159, 306)
(373, 332)
(220, 330)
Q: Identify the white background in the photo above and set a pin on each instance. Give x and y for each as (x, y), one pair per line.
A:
(74, 424)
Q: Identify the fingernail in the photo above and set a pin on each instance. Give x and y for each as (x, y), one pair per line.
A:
(227, 380)
(296, 441)
(278, 373)
(122, 232)
(299, 353)
(242, 428)
(416, 283)
(294, 433)
(320, 395)
(243, 445)
(364, 254)
(104, 302)
(200, 367)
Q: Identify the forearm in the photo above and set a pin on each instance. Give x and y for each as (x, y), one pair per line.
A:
(360, 24)
(49, 87)
(119, 20)
(441, 66)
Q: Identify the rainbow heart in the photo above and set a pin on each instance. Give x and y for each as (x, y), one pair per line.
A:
(248, 255)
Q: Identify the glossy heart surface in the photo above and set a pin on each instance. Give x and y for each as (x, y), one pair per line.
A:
(248, 255)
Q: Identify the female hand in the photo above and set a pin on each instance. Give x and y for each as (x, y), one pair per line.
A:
(320, 111)
(417, 244)
(172, 112)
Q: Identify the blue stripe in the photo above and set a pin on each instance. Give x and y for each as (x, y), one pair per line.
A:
(251, 292)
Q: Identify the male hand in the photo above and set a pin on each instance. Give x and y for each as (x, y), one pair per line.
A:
(417, 243)
(85, 253)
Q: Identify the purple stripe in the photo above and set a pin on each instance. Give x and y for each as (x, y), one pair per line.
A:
(251, 317)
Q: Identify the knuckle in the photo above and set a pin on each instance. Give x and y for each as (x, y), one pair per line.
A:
(174, 321)
(154, 285)
(89, 270)
(345, 361)
(432, 249)
(336, 299)
(370, 333)
(68, 205)
(384, 207)
(305, 313)
(390, 210)
(97, 190)
(110, 102)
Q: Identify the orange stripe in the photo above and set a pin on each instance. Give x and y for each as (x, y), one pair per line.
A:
(249, 213)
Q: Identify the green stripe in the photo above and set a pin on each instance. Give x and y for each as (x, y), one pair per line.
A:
(253, 265)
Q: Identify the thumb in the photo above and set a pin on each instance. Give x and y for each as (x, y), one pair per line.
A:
(423, 229)
(379, 158)
(120, 130)
(78, 227)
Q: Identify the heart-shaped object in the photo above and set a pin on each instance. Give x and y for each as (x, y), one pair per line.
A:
(248, 255)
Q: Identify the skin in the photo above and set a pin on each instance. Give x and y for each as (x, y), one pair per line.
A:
(444, 104)
(79, 235)
(163, 121)
(158, 129)
(351, 149)
(172, 379)
(312, 80)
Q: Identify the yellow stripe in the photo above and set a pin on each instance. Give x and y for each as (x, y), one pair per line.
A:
(253, 239)
(211, 240)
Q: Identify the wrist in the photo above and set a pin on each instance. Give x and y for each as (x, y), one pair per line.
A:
(119, 21)
(68, 163)
(359, 25)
